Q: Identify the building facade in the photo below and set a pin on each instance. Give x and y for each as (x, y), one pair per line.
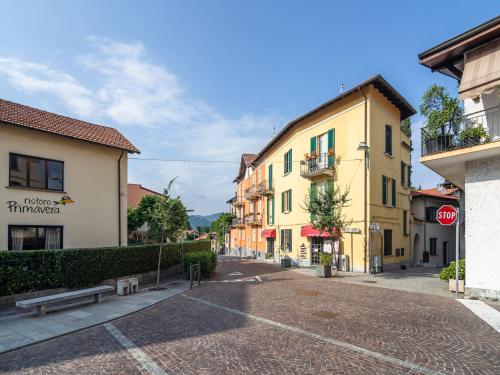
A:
(63, 181)
(354, 142)
(433, 243)
(468, 153)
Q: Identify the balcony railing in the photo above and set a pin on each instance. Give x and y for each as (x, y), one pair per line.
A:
(320, 165)
(252, 193)
(254, 219)
(239, 201)
(266, 187)
(238, 221)
(458, 134)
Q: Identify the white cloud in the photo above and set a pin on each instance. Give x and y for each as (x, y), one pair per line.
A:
(126, 89)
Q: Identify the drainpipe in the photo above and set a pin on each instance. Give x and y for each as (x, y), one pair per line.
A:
(119, 200)
(366, 184)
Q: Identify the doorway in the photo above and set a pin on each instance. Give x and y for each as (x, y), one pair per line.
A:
(270, 246)
(445, 253)
(316, 249)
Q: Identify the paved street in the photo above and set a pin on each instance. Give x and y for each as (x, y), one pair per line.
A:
(254, 318)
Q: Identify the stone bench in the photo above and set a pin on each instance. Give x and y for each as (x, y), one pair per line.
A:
(41, 302)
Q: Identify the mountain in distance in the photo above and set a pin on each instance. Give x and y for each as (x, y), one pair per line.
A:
(203, 220)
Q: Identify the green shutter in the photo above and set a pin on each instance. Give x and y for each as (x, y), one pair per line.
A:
(285, 163)
(290, 238)
(393, 193)
(290, 200)
(282, 238)
(272, 209)
(331, 146)
(384, 190)
(270, 176)
(290, 160)
(388, 139)
(313, 144)
(403, 172)
(282, 201)
(312, 194)
(268, 211)
(409, 176)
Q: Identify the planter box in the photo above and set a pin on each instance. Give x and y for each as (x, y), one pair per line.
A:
(451, 285)
(286, 263)
(324, 271)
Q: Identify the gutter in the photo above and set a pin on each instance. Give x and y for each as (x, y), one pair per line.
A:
(119, 200)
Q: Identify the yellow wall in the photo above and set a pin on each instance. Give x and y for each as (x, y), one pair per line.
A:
(90, 179)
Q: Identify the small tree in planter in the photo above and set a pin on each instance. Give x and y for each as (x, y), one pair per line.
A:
(326, 210)
(473, 136)
(448, 274)
(325, 268)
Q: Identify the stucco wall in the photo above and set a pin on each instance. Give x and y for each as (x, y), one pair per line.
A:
(482, 234)
(90, 179)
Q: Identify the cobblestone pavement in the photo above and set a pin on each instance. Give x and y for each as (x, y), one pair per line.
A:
(279, 323)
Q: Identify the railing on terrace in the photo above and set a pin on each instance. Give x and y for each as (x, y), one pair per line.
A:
(238, 221)
(239, 201)
(457, 135)
(251, 193)
(254, 219)
(266, 187)
(318, 165)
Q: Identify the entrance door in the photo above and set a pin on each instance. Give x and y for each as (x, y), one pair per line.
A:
(316, 249)
(445, 252)
(270, 246)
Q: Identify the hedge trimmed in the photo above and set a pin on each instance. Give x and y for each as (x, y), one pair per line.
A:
(25, 271)
(207, 260)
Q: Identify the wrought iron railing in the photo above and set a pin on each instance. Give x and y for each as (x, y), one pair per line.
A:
(317, 164)
(238, 221)
(456, 134)
(254, 219)
(266, 187)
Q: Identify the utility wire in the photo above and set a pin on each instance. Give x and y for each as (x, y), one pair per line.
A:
(217, 161)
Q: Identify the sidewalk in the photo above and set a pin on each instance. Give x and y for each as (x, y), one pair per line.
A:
(24, 329)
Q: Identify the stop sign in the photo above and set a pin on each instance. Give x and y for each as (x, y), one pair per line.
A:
(446, 215)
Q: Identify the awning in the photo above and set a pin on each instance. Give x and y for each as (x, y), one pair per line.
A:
(268, 233)
(310, 231)
(481, 70)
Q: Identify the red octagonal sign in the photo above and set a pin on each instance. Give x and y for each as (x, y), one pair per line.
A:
(446, 215)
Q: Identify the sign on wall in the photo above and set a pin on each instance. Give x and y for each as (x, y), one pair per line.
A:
(30, 205)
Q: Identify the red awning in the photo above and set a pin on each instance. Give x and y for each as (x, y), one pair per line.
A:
(310, 231)
(268, 233)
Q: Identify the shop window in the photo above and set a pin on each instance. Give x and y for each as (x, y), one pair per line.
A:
(25, 237)
(35, 173)
(286, 240)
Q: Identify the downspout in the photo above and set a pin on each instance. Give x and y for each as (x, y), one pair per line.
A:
(119, 200)
(366, 183)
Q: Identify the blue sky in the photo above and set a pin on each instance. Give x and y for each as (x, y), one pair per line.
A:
(210, 79)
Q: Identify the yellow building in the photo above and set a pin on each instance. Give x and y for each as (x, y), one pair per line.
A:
(353, 141)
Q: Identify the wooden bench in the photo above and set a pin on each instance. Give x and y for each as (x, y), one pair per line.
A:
(41, 302)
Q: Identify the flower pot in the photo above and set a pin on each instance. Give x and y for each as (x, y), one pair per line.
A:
(451, 285)
(286, 263)
(324, 271)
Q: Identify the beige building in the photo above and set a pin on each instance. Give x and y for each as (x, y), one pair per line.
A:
(353, 141)
(63, 182)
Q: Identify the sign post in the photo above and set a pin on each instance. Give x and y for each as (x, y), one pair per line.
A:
(447, 215)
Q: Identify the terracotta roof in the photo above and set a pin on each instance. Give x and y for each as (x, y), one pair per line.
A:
(246, 161)
(33, 118)
(435, 193)
(249, 158)
(135, 192)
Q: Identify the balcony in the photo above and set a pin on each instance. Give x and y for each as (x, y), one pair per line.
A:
(472, 137)
(238, 202)
(254, 219)
(238, 222)
(266, 187)
(252, 193)
(322, 165)
(454, 136)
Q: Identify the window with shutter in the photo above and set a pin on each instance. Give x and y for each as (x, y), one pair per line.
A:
(312, 193)
(393, 193)
(270, 176)
(331, 147)
(290, 200)
(384, 190)
(388, 139)
(290, 160)
(403, 173)
(282, 202)
(409, 176)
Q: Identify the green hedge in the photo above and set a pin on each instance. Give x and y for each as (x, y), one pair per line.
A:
(207, 260)
(25, 271)
(448, 273)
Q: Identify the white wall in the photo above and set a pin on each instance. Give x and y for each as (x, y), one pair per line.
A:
(482, 224)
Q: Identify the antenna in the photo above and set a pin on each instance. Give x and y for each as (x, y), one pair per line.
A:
(341, 87)
(274, 131)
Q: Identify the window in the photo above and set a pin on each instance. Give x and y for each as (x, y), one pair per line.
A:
(286, 240)
(288, 161)
(433, 246)
(26, 237)
(431, 214)
(400, 252)
(387, 242)
(409, 176)
(35, 173)
(403, 173)
(384, 190)
(270, 210)
(393, 193)
(388, 139)
(286, 201)
(405, 223)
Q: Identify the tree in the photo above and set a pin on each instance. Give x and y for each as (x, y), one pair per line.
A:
(167, 217)
(221, 226)
(134, 219)
(326, 209)
(406, 127)
(443, 113)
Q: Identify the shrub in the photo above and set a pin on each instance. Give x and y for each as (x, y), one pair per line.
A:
(207, 260)
(448, 273)
(325, 259)
(25, 271)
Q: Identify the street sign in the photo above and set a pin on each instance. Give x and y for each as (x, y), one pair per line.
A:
(446, 215)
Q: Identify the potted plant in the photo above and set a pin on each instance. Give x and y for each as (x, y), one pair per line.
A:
(314, 154)
(285, 260)
(448, 273)
(307, 157)
(325, 267)
(473, 136)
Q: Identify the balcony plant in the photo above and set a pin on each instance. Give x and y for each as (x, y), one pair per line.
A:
(307, 157)
(473, 135)
(325, 267)
(314, 155)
